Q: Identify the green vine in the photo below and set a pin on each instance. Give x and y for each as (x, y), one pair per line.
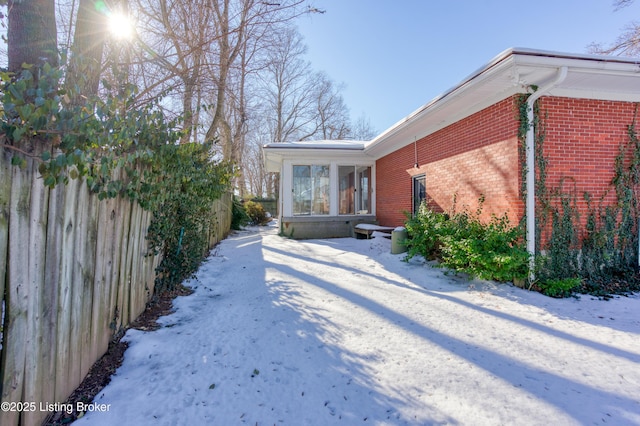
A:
(120, 151)
(523, 127)
(603, 255)
(70, 141)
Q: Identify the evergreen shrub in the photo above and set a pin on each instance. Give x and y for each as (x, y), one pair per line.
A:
(493, 251)
(239, 216)
(256, 213)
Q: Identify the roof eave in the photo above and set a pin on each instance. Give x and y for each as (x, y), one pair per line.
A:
(276, 153)
(516, 69)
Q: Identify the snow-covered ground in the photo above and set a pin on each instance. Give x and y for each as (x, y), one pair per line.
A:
(340, 331)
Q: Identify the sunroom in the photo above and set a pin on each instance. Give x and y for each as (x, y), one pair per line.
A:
(325, 189)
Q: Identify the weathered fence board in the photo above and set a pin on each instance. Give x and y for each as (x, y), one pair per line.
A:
(65, 280)
(118, 215)
(77, 300)
(86, 264)
(5, 195)
(136, 302)
(53, 271)
(125, 270)
(38, 355)
(220, 219)
(74, 271)
(16, 339)
(100, 334)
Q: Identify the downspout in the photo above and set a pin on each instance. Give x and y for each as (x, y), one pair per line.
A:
(530, 204)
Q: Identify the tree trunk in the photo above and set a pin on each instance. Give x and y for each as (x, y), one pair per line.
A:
(88, 47)
(31, 33)
(187, 109)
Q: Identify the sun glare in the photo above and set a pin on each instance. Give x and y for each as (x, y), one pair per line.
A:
(121, 26)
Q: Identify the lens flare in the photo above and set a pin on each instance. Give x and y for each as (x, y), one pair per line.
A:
(121, 26)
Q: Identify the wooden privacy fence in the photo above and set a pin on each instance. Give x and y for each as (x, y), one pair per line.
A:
(73, 271)
(220, 223)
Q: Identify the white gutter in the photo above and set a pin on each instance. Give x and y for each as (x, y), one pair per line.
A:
(530, 204)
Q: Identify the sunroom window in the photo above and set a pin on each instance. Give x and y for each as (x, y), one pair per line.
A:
(311, 190)
(354, 185)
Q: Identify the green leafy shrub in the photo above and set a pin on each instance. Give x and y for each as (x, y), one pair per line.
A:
(239, 216)
(256, 213)
(425, 230)
(560, 287)
(493, 251)
(181, 187)
(601, 250)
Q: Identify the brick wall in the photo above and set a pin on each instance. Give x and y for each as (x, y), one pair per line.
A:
(583, 138)
(477, 155)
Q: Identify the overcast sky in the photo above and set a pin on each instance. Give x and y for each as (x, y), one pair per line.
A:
(393, 56)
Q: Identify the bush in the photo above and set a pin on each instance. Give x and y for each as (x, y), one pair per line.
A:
(239, 216)
(121, 149)
(424, 233)
(182, 186)
(492, 251)
(256, 213)
(559, 288)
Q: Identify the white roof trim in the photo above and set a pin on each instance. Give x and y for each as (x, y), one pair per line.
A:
(326, 150)
(514, 71)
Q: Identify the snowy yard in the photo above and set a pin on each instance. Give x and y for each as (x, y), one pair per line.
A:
(340, 331)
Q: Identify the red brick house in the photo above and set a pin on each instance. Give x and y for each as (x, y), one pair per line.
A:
(466, 142)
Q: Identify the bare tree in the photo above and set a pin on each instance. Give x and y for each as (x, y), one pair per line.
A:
(186, 26)
(254, 174)
(362, 129)
(197, 49)
(332, 119)
(288, 91)
(295, 103)
(300, 104)
(235, 24)
(627, 43)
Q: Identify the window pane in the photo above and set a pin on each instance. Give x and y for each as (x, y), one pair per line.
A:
(310, 190)
(301, 190)
(346, 178)
(364, 190)
(321, 189)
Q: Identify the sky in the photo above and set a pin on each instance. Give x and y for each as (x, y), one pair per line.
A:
(395, 56)
(342, 332)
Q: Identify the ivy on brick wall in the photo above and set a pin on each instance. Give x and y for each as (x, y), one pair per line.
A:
(600, 257)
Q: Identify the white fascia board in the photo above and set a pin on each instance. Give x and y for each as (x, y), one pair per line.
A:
(594, 94)
(274, 158)
(329, 144)
(556, 59)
